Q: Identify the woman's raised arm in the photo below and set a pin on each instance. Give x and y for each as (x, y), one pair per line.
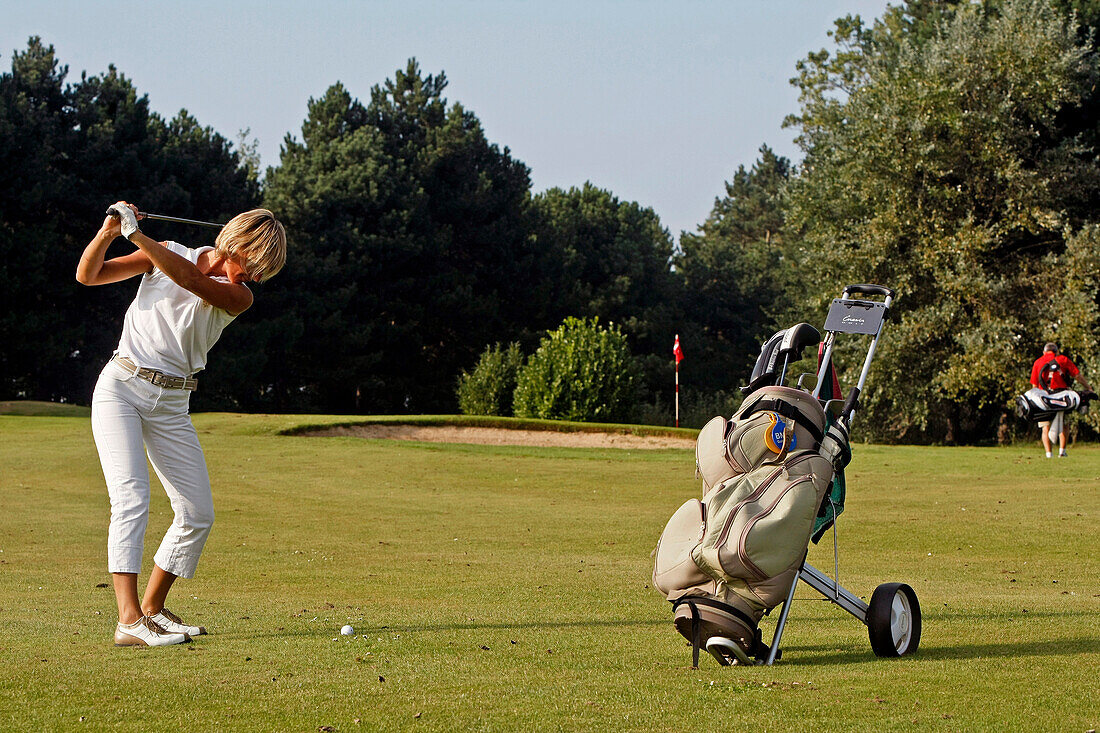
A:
(92, 270)
(234, 298)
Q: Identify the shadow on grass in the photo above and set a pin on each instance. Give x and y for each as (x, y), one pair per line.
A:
(471, 626)
(934, 614)
(468, 626)
(1012, 616)
(819, 655)
(810, 655)
(410, 628)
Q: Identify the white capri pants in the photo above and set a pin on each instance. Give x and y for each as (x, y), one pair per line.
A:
(129, 417)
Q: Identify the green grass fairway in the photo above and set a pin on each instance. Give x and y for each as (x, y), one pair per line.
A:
(502, 588)
(42, 409)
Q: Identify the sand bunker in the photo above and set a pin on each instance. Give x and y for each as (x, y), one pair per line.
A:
(499, 436)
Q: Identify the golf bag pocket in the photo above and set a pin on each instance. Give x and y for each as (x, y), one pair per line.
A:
(764, 526)
(673, 568)
(726, 449)
(799, 411)
(773, 537)
(767, 594)
(763, 437)
(711, 464)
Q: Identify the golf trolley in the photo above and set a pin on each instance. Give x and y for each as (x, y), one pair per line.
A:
(893, 616)
(772, 481)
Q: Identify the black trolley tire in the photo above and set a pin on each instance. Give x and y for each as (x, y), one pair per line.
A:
(891, 636)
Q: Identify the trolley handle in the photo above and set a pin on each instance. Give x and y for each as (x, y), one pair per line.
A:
(868, 289)
(850, 405)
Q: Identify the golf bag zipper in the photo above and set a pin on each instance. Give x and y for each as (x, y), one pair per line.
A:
(756, 494)
(742, 549)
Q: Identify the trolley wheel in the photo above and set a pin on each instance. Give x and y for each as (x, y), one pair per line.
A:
(893, 620)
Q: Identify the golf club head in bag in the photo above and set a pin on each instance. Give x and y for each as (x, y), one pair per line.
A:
(797, 338)
(777, 353)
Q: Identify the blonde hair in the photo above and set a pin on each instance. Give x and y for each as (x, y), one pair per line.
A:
(257, 239)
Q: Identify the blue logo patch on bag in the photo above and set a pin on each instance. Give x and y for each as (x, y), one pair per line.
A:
(777, 436)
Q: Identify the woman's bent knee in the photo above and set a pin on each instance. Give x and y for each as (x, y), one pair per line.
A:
(203, 520)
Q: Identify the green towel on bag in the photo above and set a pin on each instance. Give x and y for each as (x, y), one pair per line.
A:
(830, 509)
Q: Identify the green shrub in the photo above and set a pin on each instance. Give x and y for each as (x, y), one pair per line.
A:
(581, 371)
(488, 389)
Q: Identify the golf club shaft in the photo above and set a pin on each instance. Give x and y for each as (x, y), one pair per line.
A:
(175, 219)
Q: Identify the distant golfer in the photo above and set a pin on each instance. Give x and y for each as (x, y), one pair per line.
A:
(185, 299)
(1052, 372)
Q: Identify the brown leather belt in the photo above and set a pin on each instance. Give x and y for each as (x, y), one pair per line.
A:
(156, 376)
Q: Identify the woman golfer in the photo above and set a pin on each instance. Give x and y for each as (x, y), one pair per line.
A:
(185, 299)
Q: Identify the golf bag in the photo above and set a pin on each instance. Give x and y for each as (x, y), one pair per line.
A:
(1039, 405)
(1043, 406)
(727, 560)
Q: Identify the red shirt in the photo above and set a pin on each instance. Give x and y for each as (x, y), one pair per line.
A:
(1056, 378)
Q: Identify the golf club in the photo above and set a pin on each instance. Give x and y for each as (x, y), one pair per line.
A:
(176, 219)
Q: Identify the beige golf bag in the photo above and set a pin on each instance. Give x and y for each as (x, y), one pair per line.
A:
(728, 559)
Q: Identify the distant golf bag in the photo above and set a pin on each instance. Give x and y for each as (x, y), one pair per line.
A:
(772, 477)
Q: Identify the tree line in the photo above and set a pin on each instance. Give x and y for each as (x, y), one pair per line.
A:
(949, 150)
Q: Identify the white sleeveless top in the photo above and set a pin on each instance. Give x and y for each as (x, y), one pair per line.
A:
(169, 328)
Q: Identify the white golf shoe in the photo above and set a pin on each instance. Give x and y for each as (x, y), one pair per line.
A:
(145, 632)
(173, 624)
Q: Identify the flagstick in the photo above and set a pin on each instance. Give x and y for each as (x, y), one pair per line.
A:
(677, 394)
(678, 354)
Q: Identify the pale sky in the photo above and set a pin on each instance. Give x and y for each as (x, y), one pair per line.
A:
(658, 102)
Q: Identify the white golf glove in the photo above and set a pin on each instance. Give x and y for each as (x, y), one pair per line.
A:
(127, 218)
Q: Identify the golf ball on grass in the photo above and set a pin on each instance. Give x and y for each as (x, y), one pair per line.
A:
(347, 630)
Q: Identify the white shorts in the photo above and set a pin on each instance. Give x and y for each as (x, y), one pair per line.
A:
(129, 417)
